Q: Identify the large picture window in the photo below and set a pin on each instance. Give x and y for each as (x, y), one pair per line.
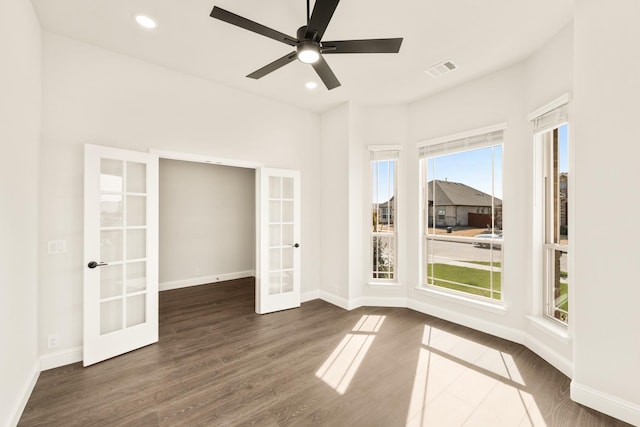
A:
(462, 215)
(384, 202)
(551, 132)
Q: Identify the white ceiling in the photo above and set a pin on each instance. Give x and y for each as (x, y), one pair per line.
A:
(480, 36)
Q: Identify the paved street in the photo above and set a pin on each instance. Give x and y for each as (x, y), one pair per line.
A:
(450, 252)
(464, 252)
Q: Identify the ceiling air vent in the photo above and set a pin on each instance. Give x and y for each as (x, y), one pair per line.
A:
(441, 68)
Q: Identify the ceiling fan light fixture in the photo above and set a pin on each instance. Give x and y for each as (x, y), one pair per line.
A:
(308, 52)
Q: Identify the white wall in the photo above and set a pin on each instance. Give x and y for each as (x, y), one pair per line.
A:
(607, 341)
(20, 127)
(95, 96)
(207, 222)
(549, 71)
(356, 214)
(334, 223)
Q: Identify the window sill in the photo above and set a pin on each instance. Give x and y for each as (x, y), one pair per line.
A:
(551, 328)
(498, 308)
(384, 285)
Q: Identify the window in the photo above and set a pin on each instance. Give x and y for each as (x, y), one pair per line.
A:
(384, 202)
(462, 214)
(551, 135)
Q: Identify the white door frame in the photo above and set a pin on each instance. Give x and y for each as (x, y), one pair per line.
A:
(199, 158)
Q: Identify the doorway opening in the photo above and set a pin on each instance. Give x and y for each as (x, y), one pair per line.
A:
(207, 223)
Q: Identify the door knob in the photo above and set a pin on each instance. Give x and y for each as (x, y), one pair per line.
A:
(297, 245)
(94, 264)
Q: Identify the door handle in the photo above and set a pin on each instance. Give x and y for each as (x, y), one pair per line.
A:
(93, 264)
(297, 245)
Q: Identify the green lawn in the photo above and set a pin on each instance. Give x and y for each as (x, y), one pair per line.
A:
(495, 263)
(564, 290)
(458, 278)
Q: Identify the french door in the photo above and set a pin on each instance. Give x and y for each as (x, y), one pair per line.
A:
(278, 240)
(120, 252)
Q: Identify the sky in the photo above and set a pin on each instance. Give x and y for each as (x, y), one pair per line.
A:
(472, 168)
(384, 184)
(563, 142)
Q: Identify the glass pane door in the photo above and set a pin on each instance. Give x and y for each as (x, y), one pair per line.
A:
(278, 278)
(123, 287)
(281, 243)
(121, 252)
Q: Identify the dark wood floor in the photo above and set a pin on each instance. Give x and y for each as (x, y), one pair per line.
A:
(220, 364)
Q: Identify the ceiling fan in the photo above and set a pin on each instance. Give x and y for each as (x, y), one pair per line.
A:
(309, 47)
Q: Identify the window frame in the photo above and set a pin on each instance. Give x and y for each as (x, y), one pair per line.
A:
(391, 154)
(546, 119)
(551, 212)
(456, 142)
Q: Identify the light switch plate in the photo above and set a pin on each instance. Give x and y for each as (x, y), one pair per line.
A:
(56, 246)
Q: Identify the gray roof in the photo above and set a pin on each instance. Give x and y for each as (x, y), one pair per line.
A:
(449, 193)
(386, 204)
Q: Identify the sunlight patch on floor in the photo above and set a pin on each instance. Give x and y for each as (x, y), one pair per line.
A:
(369, 323)
(341, 366)
(461, 382)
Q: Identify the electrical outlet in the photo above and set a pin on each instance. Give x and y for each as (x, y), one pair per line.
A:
(53, 340)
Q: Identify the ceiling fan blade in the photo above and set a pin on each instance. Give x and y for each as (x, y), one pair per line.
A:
(362, 46)
(281, 62)
(247, 24)
(326, 75)
(322, 13)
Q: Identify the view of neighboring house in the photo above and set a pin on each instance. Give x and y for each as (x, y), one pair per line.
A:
(386, 211)
(457, 204)
(563, 203)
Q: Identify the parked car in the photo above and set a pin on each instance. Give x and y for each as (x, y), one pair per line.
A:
(487, 244)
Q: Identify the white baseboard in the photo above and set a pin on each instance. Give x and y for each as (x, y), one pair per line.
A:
(556, 360)
(60, 358)
(204, 280)
(335, 300)
(310, 296)
(25, 393)
(399, 302)
(468, 321)
(606, 403)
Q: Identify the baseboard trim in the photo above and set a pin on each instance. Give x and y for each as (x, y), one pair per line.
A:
(25, 393)
(204, 280)
(468, 321)
(559, 362)
(605, 403)
(309, 296)
(335, 300)
(60, 358)
(398, 302)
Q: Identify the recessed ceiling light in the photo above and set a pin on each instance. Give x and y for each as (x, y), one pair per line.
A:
(146, 22)
(311, 85)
